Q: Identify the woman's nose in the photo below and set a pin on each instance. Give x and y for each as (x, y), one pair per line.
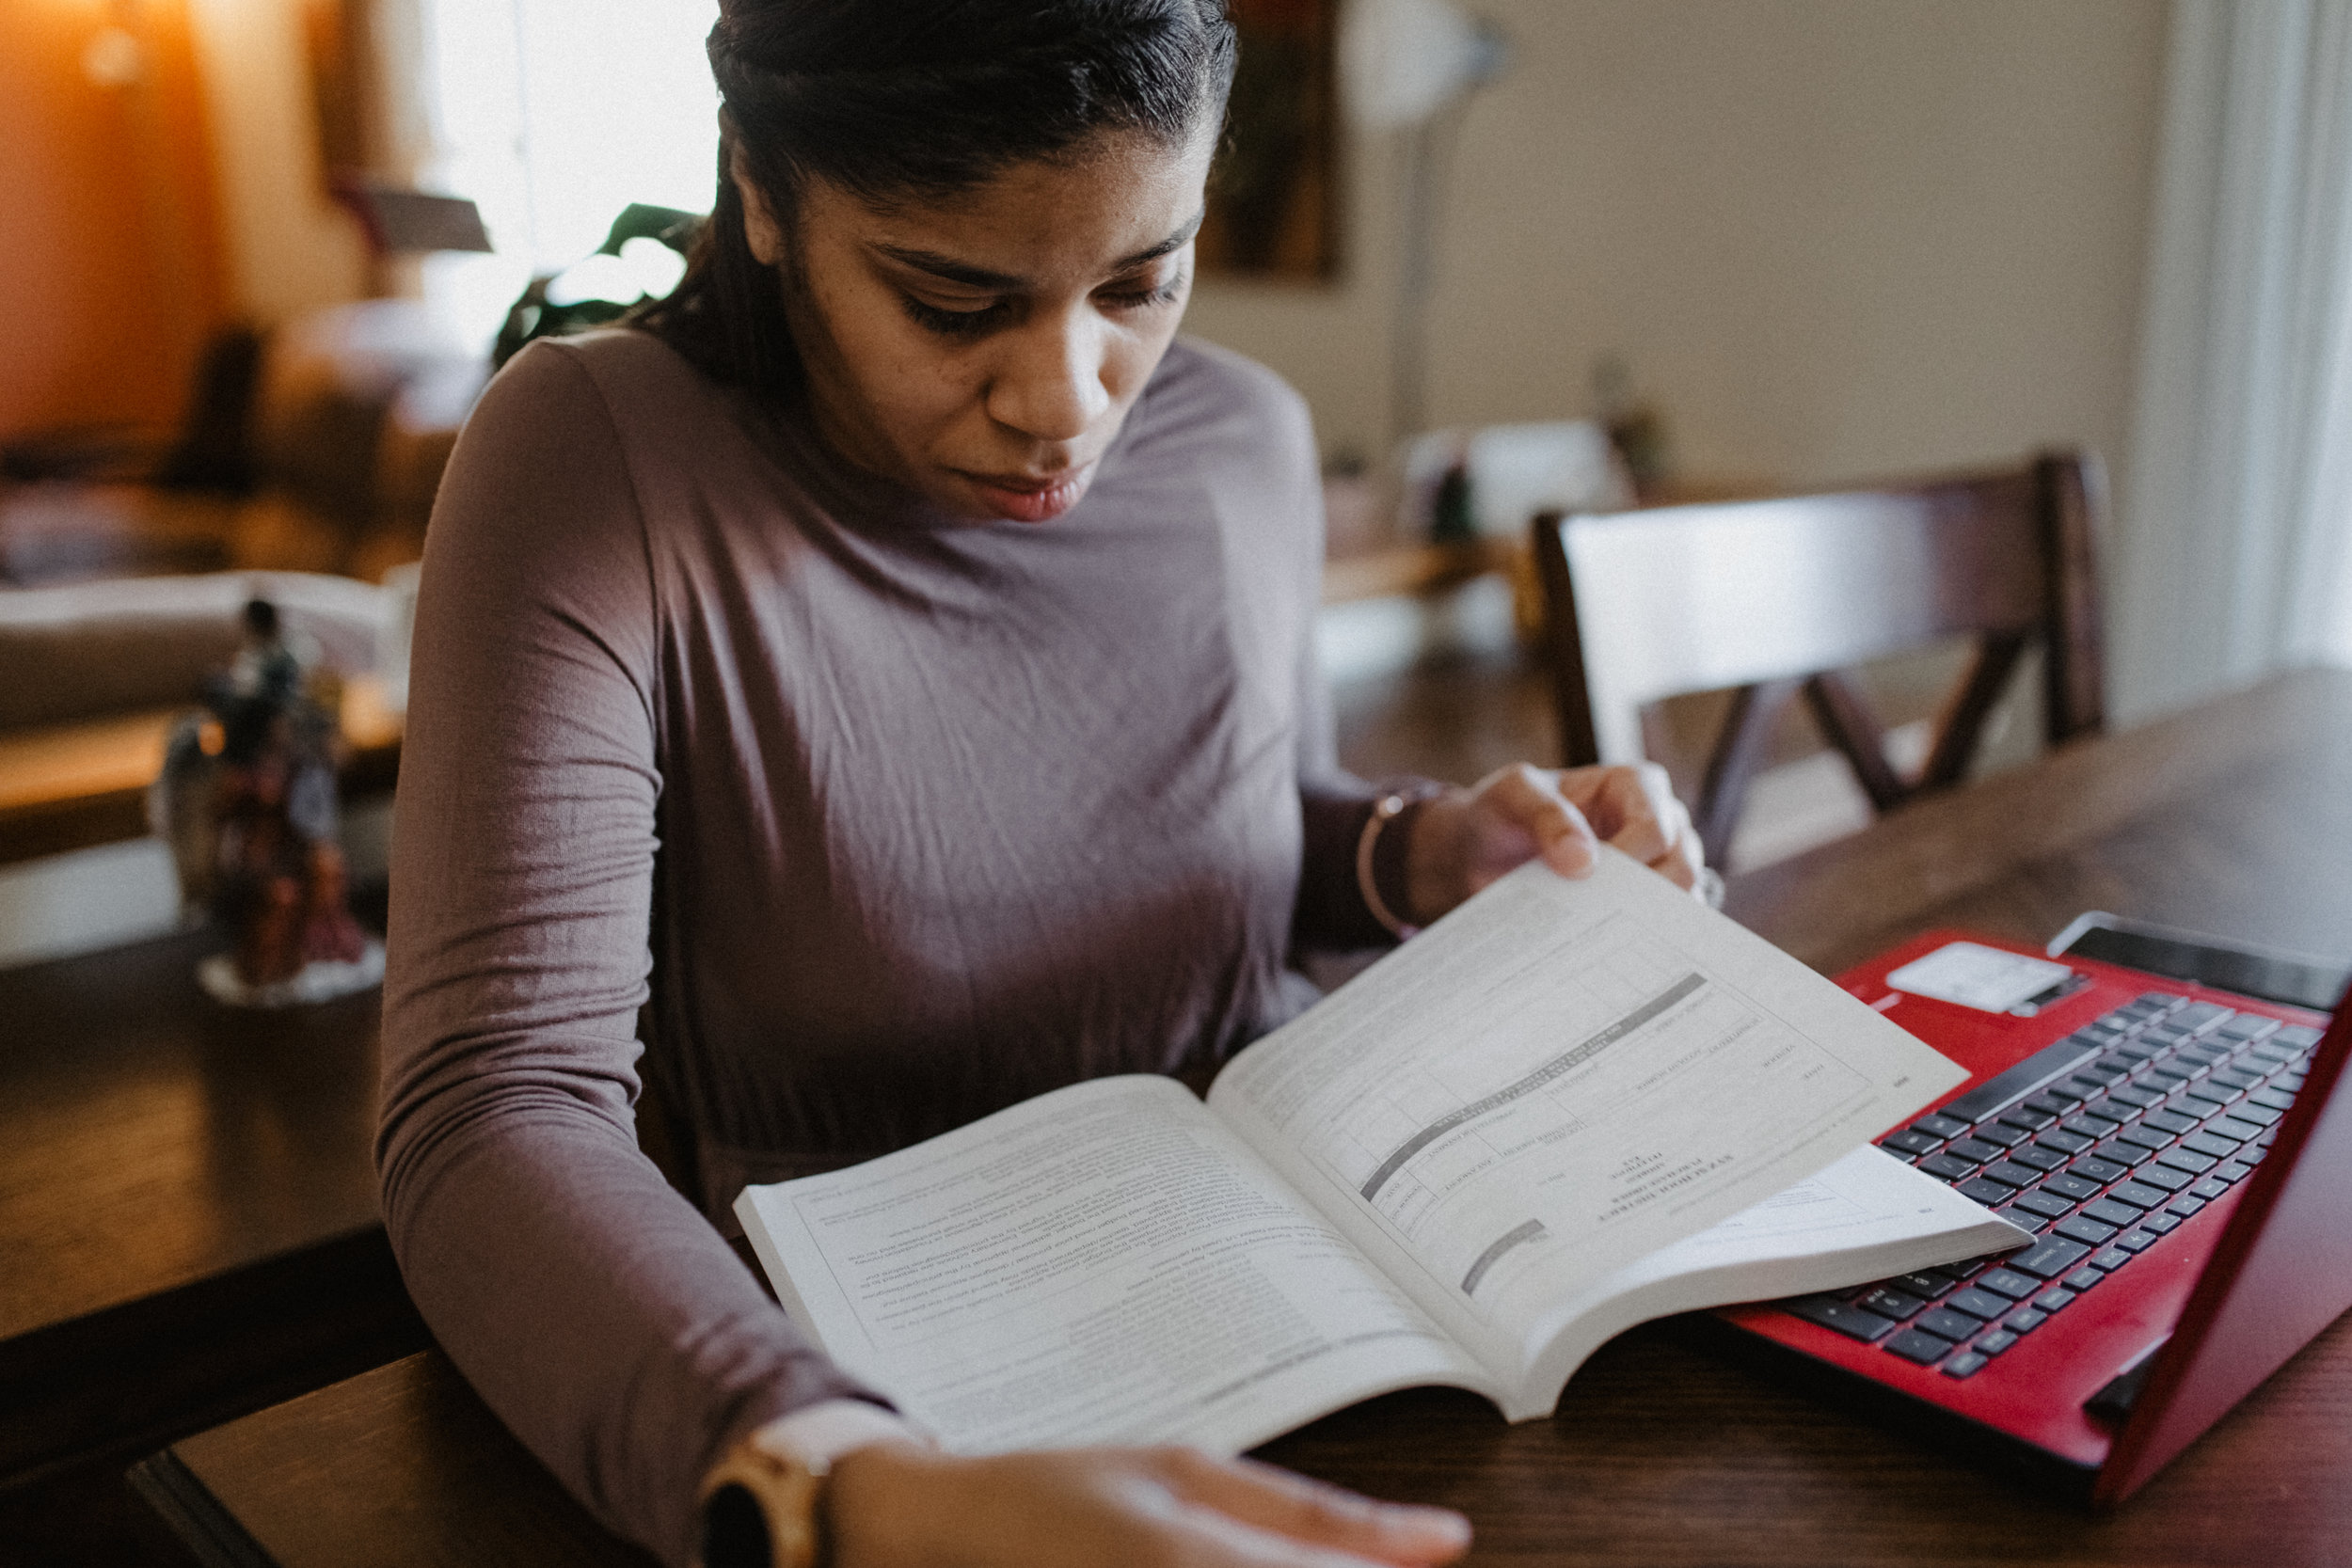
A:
(1051, 387)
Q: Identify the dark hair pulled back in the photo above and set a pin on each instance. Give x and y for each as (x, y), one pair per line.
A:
(921, 99)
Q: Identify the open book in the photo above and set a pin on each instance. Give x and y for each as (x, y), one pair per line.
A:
(1566, 1108)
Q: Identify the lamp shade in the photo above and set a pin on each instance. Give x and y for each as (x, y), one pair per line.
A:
(1403, 61)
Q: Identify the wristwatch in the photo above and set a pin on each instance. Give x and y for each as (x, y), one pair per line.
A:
(761, 1509)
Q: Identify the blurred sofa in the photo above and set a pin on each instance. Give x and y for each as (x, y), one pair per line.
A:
(94, 650)
(317, 448)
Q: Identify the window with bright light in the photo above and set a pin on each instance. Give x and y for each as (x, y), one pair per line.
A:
(553, 116)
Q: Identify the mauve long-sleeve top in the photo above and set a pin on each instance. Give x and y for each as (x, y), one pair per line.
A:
(843, 821)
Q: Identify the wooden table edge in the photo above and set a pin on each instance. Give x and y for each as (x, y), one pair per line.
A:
(188, 1508)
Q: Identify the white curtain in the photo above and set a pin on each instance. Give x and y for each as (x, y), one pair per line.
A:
(2236, 554)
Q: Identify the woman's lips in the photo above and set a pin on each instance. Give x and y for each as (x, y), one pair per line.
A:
(1026, 500)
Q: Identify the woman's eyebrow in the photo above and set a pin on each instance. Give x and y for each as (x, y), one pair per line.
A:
(948, 269)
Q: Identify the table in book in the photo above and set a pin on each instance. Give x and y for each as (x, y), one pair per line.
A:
(1567, 1107)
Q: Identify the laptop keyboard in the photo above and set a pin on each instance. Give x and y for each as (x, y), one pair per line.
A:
(2102, 1144)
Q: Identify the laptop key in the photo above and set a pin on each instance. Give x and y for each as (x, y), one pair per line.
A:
(2024, 1321)
(2077, 1187)
(2144, 1136)
(1908, 1142)
(2008, 1282)
(1977, 1303)
(2107, 1211)
(1985, 1190)
(1924, 1285)
(2231, 1126)
(2083, 1280)
(2081, 1229)
(2137, 1193)
(2209, 1143)
(2210, 1188)
(2035, 1157)
(2167, 1077)
(1947, 1323)
(2049, 1259)
(2136, 1097)
(1852, 1321)
(2027, 1116)
(2125, 1153)
(2024, 1219)
(2199, 1016)
(2235, 1078)
(2137, 1241)
(2001, 1134)
(1888, 1302)
(1992, 1344)
(1914, 1344)
(2163, 1225)
(2108, 1259)
(1936, 1125)
(1967, 1363)
(2185, 1205)
(1979, 1151)
(2155, 1174)
(2012, 1172)
(1951, 1167)
(2063, 1142)
(2234, 1172)
(2097, 1169)
(2171, 1121)
(2054, 1104)
(2048, 1205)
(2180, 1159)
(2053, 1299)
(2253, 1111)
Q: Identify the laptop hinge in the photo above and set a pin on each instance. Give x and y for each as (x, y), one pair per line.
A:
(2116, 1395)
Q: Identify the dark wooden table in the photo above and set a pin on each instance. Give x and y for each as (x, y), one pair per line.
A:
(2232, 818)
(187, 1213)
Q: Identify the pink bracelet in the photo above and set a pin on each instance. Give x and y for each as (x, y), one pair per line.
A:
(1387, 807)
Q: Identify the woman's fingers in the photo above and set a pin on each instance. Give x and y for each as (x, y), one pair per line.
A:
(1266, 1500)
(1635, 809)
(1530, 799)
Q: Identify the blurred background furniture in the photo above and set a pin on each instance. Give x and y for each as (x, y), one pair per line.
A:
(98, 671)
(1776, 598)
(315, 448)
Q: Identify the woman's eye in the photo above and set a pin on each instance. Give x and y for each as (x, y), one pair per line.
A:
(1138, 296)
(955, 324)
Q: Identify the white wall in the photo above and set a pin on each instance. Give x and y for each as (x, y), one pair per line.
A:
(1832, 237)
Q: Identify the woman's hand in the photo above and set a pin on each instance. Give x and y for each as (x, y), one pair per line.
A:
(1466, 838)
(894, 1504)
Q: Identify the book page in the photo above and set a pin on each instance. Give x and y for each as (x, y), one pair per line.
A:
(1558, 1078)
(1102, 1265)
(1867, 1216)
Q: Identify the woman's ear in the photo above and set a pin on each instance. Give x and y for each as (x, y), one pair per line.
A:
(760, 229)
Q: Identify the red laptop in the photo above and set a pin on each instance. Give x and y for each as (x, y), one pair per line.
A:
(2182, 1154)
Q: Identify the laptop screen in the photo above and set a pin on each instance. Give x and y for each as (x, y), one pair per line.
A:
(2281, 1274)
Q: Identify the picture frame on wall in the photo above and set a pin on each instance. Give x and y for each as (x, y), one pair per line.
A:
(1272, 206)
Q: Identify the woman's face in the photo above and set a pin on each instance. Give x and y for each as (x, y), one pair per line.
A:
(983, 350)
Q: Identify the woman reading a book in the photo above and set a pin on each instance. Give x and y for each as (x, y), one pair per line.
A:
(880, 682)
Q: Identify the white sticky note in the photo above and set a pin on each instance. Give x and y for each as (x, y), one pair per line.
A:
(1978, 977)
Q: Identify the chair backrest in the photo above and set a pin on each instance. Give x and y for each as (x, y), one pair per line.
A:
(1775, 597)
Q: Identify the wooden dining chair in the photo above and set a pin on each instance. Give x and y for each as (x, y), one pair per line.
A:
(1776, 597)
